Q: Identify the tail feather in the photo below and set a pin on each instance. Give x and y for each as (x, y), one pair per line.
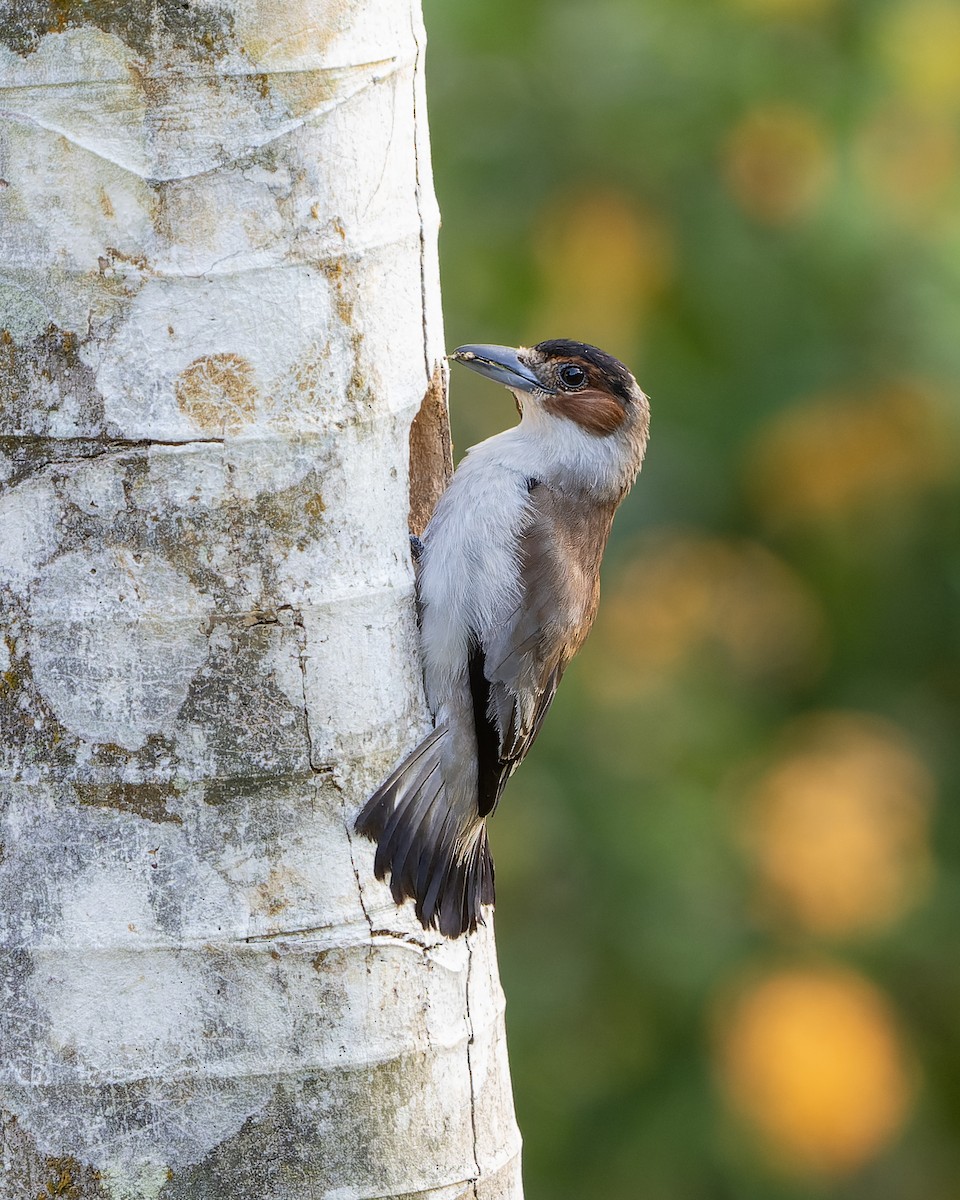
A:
(437, 881)
(436, 853)
(468, 884)
(411, 836)
(444, 831)
(402, 823)
(382, 798)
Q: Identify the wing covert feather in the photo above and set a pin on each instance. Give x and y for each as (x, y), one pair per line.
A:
(514, 674)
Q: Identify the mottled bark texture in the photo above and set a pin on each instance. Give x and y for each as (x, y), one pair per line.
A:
(220, 314)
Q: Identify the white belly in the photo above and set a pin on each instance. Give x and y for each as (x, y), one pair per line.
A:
(469, 574)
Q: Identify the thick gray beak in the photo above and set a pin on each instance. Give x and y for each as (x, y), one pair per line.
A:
(499, 363)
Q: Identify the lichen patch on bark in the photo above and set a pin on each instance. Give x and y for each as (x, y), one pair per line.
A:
(29, 517)
(147, 800)
(46, 387)
(295, 31)
(45, 1176)
(118, 663)
(201, 31)
(218, 392)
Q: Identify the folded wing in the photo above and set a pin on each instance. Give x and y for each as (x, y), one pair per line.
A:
(516, 667)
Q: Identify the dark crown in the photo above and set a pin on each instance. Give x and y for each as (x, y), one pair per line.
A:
(616, 376)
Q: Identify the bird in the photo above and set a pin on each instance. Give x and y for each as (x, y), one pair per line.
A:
(507, 584)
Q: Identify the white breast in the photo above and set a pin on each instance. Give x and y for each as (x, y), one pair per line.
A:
(469, 575)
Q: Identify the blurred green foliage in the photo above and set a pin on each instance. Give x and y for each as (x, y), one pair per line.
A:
(729, 874)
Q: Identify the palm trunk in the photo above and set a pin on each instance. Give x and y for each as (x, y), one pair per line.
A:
(220, 311)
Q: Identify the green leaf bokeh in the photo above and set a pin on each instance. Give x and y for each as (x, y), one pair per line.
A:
(728, 882)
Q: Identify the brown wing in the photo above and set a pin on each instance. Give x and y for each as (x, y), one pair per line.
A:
(514, 675)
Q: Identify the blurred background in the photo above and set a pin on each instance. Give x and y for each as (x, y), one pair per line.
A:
(729, 873)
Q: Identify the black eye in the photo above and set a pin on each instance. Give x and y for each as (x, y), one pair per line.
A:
(572, 376)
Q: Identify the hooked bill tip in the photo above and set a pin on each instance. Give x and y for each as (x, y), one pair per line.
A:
(503, 364)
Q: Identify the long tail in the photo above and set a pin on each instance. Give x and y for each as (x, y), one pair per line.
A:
(435, 855)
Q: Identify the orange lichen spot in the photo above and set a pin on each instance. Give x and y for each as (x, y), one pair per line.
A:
(276, 893)
(307, 91)
(61, 1180)
(812, 1059)
(777, 163)
(603, 260)
(908, 159)
(684, 594)
(831, 457)
(218, 392)
(838, 826)
(279, 32)
(920, 41)
(302, 395)
(315, 506)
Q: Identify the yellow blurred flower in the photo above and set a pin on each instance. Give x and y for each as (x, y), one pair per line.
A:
(777, 163)
(920, 41)
(602, 262)
(812, 1059)
(838, 825)
(908, 159)
(835, 456)
(684, 593)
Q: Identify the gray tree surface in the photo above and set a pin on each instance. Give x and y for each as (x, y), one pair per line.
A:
(219, 305)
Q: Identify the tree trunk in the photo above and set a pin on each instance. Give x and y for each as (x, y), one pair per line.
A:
(220, 312)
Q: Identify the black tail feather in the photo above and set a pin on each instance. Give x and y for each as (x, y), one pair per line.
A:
(412, 836)
(401, 823)
(468, 885)
(435, 855)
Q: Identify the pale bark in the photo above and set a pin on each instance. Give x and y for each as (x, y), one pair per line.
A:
(220, 305)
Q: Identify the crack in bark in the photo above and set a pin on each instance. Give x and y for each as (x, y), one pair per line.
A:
(102, 446)
(270, 616)
(302, 660)
(280, 934)
(19, 445)
(473, 1090)
(408, 938)
(348, 827)
(356, 870)
(427, 1193)
(418, 192)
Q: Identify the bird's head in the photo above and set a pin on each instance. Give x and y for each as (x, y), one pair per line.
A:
(570, 382)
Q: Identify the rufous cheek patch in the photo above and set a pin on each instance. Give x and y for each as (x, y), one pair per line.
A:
(594, 411)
